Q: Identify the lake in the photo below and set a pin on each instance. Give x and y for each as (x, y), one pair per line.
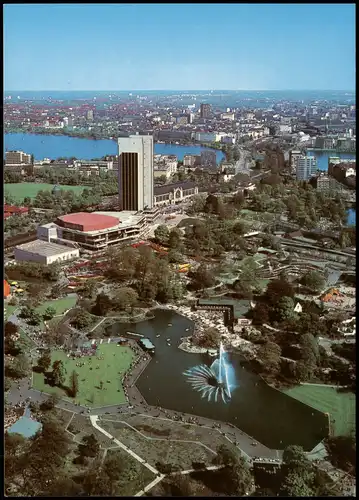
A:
(268, 415)
(56, 146)
(323, 157)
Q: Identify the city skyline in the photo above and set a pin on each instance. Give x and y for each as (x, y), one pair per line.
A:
(258, 47)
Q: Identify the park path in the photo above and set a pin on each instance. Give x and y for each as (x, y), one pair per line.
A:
(94, 419)
(183, 473)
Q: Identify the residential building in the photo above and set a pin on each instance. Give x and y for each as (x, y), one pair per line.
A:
(208, 159)
(89, 114)
(205, 111)
(17, 158)
(135, 173)
(306, 167)
(293, 159)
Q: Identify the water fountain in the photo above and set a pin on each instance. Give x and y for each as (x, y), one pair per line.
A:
(216, 381)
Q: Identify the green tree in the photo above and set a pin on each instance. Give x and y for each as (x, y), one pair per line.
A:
(19, 367)
(162, 234)
(44, 362)
(126, 299)
(90, 446)
(175, 240)
(58, 373)
(285, 309)
(270, 353)
(49, 313)
(202, 278)
(81, 320)
(74, 384)
(235, 476)
(313, 280)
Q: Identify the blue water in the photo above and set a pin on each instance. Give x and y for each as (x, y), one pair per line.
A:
(323, 157)
(56, 146)
(351, 221)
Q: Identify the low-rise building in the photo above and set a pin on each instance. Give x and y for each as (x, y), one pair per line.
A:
(171, 194)
(44, 252)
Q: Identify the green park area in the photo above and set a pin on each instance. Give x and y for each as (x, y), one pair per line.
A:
(339, 405)
(19, 191)
(99, 380)
(60, 305)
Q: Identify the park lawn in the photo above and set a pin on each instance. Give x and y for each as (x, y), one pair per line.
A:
(61, 305)
(339, 405)
(116, 359)
(9, 310)
(30, 189)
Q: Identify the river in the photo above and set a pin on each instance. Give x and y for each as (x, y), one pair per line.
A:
(270, 416)
(56, 146)
(322, 159)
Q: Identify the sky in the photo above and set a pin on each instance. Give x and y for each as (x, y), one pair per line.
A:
(179, 47)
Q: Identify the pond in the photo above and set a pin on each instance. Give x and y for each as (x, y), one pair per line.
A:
(268, 415)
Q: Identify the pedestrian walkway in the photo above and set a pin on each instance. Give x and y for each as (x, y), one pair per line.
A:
(94, 419)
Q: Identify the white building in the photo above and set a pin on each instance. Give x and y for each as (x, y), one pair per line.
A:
(306, 167)
(135, 173)
(44, 252)
(227, 116)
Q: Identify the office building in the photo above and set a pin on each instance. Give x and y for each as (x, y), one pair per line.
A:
(306, 167)
(135, 172)
(17, 158)
(209, 159)
(90, 114)
(205, 111)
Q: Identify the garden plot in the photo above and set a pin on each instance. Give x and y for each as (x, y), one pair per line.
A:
(159, 450)
(81, 426)
(167, 429)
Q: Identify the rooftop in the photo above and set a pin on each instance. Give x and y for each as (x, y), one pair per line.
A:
(44, 248)
(240, 307)
(147, 343)
(126, 217)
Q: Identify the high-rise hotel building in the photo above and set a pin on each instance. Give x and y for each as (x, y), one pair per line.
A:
(135, 172)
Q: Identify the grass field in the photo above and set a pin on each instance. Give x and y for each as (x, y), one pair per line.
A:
(61, 305)
(21, 190)
(111, 369)
(339, 405)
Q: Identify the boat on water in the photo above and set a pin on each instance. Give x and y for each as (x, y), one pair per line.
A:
(169, 324)
(158, 335)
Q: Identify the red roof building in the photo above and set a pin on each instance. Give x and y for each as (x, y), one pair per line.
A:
(84, 221)
(7, 290)
(10, 209)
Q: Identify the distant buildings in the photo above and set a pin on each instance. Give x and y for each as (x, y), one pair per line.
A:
(306, 167)
(209, 159)
(293, 159)
(89, 115)
(192, 161)
(135, 172)
(205, 111)
(165, 165)
(17, 158)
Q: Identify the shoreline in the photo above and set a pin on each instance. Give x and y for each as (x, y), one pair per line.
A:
(108, 138)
